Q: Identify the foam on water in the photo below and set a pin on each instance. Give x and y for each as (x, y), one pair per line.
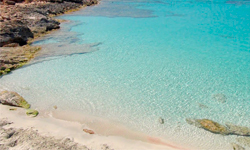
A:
(156, 59)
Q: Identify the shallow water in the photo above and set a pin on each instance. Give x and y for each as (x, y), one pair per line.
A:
(136, 61)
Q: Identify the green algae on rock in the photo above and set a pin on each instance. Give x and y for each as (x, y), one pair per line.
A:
(13, 99)
(15, 57)
(32, 112)
(214, 127)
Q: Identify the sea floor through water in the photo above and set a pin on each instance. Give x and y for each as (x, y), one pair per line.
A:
(137, 61)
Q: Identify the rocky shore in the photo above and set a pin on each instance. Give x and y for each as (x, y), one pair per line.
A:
(21, 21)
(30, 138)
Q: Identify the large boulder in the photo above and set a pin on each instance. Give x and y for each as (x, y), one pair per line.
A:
(13, 99)
(43, 25)
(14, 32)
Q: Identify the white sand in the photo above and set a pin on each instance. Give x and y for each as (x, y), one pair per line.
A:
(106, 133)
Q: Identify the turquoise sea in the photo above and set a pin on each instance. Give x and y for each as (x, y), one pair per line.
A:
(134, 61)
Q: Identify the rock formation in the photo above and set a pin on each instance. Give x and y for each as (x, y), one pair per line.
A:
(14, 138)
(13, 99)
(217, 128)
(21, 22)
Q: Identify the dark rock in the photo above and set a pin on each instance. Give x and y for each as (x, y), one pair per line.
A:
(56, 1)
(161, 120)
(14, 32)
(9, 2)
(43, 25)
(13, 99)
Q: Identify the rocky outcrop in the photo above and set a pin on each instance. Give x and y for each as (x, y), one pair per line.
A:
(14, 138)
(217, 128)
(14, 31)
(21, 22)
(13, 99)
(15, 57)
(238, 130)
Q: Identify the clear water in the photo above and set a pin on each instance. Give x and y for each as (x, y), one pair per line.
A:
(136, 61)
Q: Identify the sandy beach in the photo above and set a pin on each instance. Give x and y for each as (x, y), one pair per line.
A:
(19, 131)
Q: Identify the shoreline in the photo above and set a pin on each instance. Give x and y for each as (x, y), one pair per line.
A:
(60, 127)
(54, 118)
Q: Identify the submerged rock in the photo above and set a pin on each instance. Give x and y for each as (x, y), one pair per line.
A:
(202, 106)
(244, 141)
(212, 126)
(193, 122)
(208, 125)
(219, 97)
(217, 128)
(32, 112)
(238, 130)
(13, 99)
(161, 120)
(237, 147)
(15, 57)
